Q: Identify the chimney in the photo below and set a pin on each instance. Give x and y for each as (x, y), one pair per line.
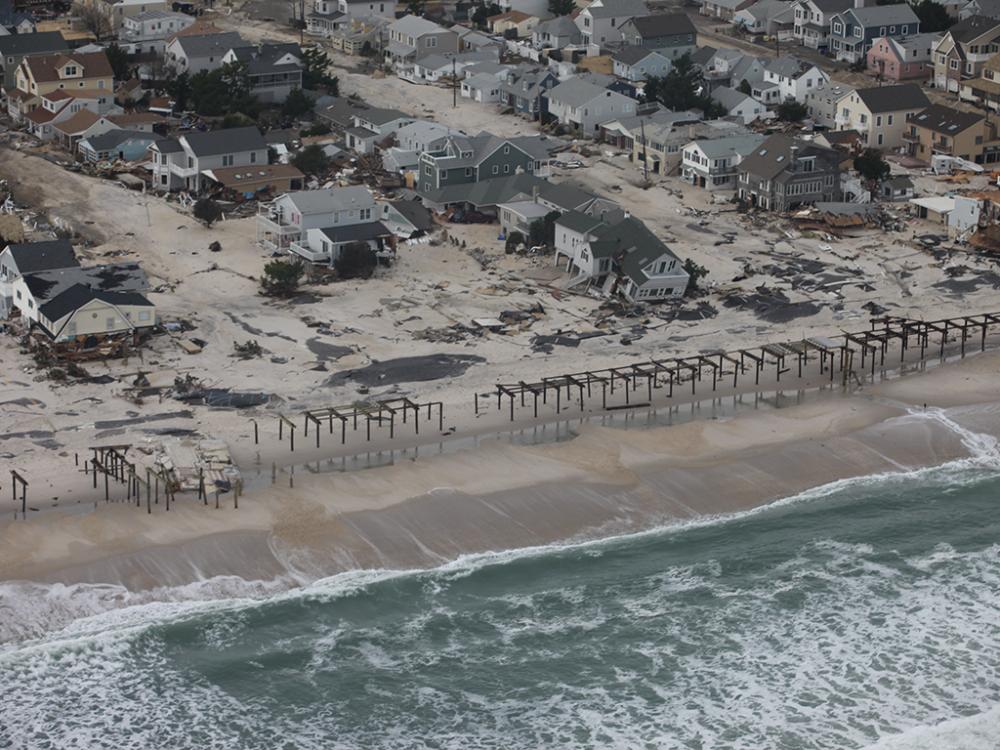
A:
(859, 3)
(534, 194)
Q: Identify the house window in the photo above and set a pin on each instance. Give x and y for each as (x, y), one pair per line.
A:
(889, 120)
(191, 162)
(878, 121)
(253, 157)
(838, 28)
(881, 31)
(880, 139)
(905, 30)
(496, 169)
(468, 171)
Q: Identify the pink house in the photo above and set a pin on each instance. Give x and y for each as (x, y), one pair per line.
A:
(902, 59)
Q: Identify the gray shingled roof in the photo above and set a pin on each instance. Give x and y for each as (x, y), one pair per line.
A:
(619, 9)
(112, 138)
(632, 54)
(229, 141)
(29, 44)
(331, 199)
(974, 26)
(945, 120)
(885, 15)
(32, 257)
(716, 148)
(356, 232)
(575, 92)
(893, 98)
(78, 295)
(773, 156)
(663, 24)
(207, 45)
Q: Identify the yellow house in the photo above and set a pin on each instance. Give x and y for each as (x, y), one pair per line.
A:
(44, 74)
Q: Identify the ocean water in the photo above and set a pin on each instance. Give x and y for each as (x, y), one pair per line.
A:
(864, 614)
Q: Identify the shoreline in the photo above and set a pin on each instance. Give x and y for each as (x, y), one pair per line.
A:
(500, 496)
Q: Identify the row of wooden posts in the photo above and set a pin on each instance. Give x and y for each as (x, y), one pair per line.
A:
(379, 413)
(834, 357)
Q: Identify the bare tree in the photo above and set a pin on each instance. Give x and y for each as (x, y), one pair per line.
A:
(94, 20)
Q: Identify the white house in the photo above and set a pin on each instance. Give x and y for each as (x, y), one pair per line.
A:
(147, 33)
(600, 22)
(585, 105)
(738, 104)
(200, 52)
(793, 77)
(638, 63)
(482, 88)
(20, 259)
(288, 217)
(178, 163)
(618, 256)
(711, 164)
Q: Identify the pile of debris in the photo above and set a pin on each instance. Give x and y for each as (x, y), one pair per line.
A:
(186, 463)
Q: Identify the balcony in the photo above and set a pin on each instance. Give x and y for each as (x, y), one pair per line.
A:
(943, 148)
(911, 137)
(313, 256)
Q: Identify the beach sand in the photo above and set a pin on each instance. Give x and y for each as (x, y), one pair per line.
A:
(605, 481)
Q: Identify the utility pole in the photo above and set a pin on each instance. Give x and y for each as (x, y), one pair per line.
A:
(454, 85)
(645, 157)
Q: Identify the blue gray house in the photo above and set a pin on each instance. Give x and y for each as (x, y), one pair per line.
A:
(852, 31)
(128, 145)
(523, 93)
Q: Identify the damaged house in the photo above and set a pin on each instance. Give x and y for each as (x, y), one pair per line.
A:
(783, 173)
(316, 225)
(618, 256)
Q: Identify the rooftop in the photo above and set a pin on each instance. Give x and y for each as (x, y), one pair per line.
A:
(32, 257)
(893, 98)
(945, 120)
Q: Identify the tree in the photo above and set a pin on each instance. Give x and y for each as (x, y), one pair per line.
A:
(236, 78)
(536, 233)
(315, 67)
(683, 88)
(695, 274)
(484, 11)
(415, 7)
(281, 278)
(180, 90)
(296, 104)
(93, 18)
(792, 111)
(933, 16)
(872, 167)
(208, 211)
(118, 58)
(312, 160)
(745, 87)
(356, 261)
(209, 96)
(561, 7)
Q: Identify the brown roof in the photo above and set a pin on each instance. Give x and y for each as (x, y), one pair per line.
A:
(137, 118)
(199, 28)
(45, 68)
(78, 122)
(57, 95)
(40, 115)
(512, 15)
(18, 94)
(255, 175)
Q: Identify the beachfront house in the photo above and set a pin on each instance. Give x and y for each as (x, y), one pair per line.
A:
(793, 78)
(288, 217)
(783, 173)
(147, 33)
(462, 160)
(21, 259)
(178, 163)
(38, 75)
(524, 92)
(617, 254)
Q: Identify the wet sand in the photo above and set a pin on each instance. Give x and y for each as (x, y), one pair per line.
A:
(605, 481)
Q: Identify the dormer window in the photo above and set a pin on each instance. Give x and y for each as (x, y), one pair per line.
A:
(69, 70)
